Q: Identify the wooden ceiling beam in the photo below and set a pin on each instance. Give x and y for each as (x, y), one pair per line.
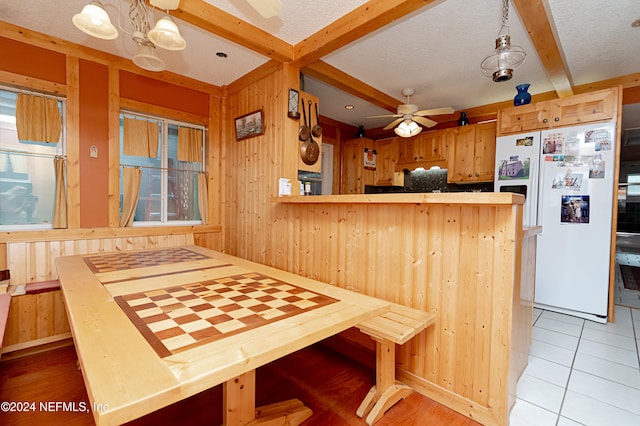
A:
(216, 21)
(322, 71)
(534, 17)
(361, 21)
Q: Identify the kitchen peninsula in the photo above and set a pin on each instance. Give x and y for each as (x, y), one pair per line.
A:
(463, 256)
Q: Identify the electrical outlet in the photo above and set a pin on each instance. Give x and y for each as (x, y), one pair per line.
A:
(93, 151)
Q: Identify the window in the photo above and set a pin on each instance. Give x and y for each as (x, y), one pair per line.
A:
(169, 182)
(27, 171)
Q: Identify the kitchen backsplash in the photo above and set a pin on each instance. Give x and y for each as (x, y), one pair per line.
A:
(436, 180)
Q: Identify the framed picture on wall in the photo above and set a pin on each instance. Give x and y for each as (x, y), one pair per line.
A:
(250, 125)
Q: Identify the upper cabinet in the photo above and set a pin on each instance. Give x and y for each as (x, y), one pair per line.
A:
(585, 108)
(425, 150)
(472, 152)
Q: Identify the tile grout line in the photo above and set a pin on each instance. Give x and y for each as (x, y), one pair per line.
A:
(566, 387)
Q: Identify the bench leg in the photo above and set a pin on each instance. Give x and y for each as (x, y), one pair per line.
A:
(387, 392)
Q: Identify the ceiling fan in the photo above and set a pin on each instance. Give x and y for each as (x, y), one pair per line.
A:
(409, 118)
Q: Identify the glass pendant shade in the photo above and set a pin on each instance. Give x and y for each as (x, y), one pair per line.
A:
(407, 128)
(93, 20)
(166, 35)
(148, 59)
(505, 59)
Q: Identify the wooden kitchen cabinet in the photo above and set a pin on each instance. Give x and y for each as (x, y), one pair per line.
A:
(354, 176)
(425, 150)
(386, 158)
(579, 109)
(472, 152)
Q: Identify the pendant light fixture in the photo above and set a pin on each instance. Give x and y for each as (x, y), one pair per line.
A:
(506, 58)
(94, 20)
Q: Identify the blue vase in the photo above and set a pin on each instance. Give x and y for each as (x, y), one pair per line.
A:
(522, 97)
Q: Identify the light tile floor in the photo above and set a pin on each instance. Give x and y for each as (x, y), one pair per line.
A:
(581, 372)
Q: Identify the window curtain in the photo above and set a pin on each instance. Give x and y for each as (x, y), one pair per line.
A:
(203, 203)
(132, 176)
(60, 207)
(140, 138)
(189, 144)
(38, 118)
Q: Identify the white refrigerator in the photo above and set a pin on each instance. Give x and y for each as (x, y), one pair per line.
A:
(567, 176)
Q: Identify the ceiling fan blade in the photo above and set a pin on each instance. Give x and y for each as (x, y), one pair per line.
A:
(435, 111)
(393, 124)
(385, 116)
(266, 8)
(424, 121)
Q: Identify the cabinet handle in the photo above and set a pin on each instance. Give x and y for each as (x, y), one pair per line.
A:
(556, 119)
(470, 175)
(545, 121)
(477, 175)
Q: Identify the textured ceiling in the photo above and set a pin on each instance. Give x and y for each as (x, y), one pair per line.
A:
(436, 50)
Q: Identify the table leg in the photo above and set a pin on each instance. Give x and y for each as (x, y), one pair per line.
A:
(240, 406)
(239, 399)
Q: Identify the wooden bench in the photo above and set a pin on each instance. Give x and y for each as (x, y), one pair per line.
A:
(5, 301)
(396, 327)
(37, 315)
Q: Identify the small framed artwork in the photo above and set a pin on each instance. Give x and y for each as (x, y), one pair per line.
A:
(250, 125)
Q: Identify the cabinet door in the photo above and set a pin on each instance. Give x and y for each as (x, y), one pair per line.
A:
(461, 154)
(485, 152)
(354, 176)
(588, 107)
(352, 163)
(525, 118)
(405, 148)
(386, 158)
(432, 146)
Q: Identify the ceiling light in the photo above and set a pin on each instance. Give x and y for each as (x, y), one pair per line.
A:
(506, 58)
(349, 107)
(166, 35)
(266, 8)
(148, 59)
(94, 20)
(407, 128)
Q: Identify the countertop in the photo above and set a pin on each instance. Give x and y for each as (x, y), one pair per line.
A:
(462, 198)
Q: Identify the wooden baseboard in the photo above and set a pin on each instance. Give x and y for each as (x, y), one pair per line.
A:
(36, 346)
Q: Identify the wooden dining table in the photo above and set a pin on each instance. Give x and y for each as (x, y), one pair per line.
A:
(153, 327)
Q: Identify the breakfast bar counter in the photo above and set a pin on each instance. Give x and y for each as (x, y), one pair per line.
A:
(464, 257)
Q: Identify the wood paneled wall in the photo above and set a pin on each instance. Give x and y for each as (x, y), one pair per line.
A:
(36, 319)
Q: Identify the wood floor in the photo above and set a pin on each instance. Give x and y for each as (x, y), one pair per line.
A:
(329, 383)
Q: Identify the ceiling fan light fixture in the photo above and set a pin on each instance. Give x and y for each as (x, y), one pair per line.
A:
(166, 35)
(94, 20)
(148, 59)
(407, 128)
